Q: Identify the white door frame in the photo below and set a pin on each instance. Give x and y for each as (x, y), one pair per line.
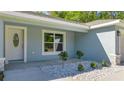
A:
(25, 38)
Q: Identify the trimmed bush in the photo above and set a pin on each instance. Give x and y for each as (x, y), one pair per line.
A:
(105, 64)
(63, 55)
(80, 67)
(1, 76)
(79, 54)
(93, 65)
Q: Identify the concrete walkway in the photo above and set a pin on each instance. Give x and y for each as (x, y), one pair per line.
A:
(118, 76)
(30, 74)
(20, 71)
(21, 65)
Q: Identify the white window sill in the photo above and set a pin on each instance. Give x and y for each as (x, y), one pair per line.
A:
(50, 53)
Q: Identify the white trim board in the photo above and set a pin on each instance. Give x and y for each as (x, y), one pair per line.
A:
(25, 38)
(105, 24)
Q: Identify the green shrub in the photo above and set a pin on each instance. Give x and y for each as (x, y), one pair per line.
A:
(1, 76)
(105, 64)
(93, 65)
(63, 55)
(79, 54)
(80, 67)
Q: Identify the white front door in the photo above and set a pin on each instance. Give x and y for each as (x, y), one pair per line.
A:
(14, 44)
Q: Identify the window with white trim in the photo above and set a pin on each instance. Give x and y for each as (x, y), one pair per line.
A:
(53, 42)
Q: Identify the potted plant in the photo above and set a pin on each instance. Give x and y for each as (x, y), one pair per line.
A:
(63, 56)
(79, 54)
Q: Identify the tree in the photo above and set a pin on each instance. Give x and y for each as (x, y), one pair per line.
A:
(104, 15)
(68, 15)
(120, 15)
(78, 16)
(87, 16)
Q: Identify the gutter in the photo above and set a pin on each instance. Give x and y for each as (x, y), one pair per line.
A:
(104, 24)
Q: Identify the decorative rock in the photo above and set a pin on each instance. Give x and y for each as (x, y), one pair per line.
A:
(70, 70)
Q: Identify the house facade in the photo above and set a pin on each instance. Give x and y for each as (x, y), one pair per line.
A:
(29, 37)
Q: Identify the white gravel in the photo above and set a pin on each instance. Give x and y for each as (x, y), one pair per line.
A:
(97, 74)
(70, 72)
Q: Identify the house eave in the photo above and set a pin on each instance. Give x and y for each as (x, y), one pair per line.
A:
(43, 21)
(104, 24)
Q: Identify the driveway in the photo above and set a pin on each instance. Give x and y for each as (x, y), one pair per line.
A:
(29, 74)
(118, 76)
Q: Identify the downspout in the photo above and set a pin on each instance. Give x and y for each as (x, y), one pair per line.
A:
(117, 46)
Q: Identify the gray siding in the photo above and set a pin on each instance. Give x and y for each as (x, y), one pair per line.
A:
(70, 43)
(98, 44)
(34, 43)
(1, 39)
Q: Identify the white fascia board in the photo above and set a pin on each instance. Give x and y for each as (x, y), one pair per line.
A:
(121, 24)
(28, 16)
(105, 24)
(43, 24)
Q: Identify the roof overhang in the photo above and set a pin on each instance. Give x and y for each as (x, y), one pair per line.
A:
(53, 23)
(42, 21)
(114, 22)
(120, 24)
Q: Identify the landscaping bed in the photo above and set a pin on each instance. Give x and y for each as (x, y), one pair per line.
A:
(70, 71)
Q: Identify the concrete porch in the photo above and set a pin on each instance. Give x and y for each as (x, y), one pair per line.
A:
(30, 71)
(21, 65)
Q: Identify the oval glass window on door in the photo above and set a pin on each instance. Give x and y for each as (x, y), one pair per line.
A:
(15, 40)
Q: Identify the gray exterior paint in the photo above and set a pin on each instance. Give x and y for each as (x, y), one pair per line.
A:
(34, 43)
(1, 39)
(98, 44)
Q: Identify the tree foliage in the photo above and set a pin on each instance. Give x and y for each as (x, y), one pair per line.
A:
(86, 16)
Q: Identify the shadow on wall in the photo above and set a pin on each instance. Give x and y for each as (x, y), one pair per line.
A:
(96, 46)
(107, 43)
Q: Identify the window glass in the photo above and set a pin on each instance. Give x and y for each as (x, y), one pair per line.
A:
(53, 42)
(48, 37)
(48, 47)
(15, 40)
(58, 38)
(58, 47)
